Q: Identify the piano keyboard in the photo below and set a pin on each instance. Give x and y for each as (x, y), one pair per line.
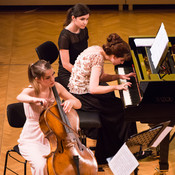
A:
(131, 95)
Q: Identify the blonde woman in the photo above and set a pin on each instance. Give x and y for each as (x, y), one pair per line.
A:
(33, 146)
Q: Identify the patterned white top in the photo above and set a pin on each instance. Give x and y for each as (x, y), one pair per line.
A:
(80, 76)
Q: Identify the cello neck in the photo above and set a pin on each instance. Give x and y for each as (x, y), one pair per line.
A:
(61, 111)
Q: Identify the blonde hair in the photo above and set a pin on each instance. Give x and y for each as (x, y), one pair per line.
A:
(37, 70)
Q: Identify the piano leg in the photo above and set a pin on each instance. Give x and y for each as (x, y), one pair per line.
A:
(136, 171)
(164, 151)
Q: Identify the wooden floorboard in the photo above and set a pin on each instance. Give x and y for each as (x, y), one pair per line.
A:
(23, 30)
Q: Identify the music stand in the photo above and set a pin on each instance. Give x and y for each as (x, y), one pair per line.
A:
(124, 161)
(149, 138)
(146, 139)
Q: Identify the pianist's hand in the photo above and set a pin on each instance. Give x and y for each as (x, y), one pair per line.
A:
(124, 86)
(127, 76)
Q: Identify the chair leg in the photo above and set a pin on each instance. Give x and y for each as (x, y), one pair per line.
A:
(25, 167)
(5, 165)
(136, 171)
(83, 137)
(6, 160)
(83, 140)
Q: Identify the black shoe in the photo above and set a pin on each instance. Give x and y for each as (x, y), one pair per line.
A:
(142, 154)
(100, 169)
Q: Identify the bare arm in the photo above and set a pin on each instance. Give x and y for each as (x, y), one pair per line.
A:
(95, 88)
(69, 100)
(25, 96)
(28, 96)
(108, 77)
(65, 59)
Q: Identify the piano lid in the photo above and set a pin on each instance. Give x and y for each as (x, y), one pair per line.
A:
(143, 64)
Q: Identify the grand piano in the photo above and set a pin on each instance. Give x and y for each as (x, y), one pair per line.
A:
(151, 99)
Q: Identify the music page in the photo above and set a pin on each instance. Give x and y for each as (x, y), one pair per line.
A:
(143, 42)
(159, 45)
(162, 136)
(124, 162)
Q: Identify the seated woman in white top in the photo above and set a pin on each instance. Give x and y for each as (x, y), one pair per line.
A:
(86, 83)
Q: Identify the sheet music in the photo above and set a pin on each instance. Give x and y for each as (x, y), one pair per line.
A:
(159, 45)
(143, 42)
(124, 162)
(162, 136)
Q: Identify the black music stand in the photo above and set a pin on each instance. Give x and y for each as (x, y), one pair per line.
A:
(147, 139)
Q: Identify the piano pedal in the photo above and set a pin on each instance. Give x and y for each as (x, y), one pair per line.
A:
(143, 154)
(158, 150)
(160, 172)
(155, 153)
(100, 169)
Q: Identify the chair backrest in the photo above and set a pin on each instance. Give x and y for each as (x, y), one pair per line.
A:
(15, 115)
(47, 51)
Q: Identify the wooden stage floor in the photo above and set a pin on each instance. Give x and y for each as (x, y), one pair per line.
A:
(23, 30)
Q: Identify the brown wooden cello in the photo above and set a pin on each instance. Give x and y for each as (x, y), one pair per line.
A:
(68, 155)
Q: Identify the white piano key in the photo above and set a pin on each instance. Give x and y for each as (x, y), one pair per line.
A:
(126, 94)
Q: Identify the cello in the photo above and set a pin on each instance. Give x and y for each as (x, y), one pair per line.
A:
(68, 155)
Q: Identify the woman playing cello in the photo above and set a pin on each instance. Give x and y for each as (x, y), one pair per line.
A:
(33, 145)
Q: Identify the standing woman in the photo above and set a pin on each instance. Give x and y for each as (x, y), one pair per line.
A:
(33, 145)
(72, 41)
(86, 84)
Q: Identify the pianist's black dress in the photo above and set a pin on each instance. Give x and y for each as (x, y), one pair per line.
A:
(114, 131)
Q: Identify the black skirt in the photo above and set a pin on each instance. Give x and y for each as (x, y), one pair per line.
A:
(114, 130)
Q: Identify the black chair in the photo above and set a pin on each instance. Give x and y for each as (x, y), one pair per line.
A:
(47, 51)
(89, 121)
(16, 119)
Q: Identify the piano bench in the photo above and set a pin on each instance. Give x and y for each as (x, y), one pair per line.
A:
(89, 125)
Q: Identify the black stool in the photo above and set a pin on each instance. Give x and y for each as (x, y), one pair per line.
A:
(89, 121)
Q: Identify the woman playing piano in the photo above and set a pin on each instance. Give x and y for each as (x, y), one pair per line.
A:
(87, 84)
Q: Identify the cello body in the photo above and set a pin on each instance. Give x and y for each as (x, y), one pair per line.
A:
(68, 155)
